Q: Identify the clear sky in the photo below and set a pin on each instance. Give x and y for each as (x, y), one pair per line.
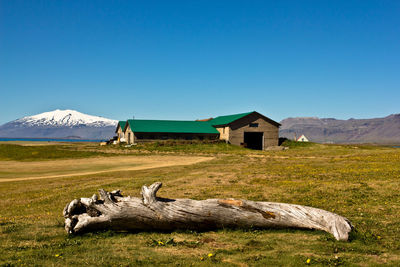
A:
(196, 59)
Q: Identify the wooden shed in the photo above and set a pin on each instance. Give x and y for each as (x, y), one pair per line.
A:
(251, 129)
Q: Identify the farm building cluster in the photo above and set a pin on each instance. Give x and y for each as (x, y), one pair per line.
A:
(251, 130)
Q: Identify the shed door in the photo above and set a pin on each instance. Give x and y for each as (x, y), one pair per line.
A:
(254, 140)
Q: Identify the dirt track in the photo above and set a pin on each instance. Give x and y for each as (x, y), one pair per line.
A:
(18, 171)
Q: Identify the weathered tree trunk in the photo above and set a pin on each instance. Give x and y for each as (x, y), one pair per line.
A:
(113, 211)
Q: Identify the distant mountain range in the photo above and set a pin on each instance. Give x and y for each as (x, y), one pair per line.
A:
(68, 124)
(71, 124)
(379, 130)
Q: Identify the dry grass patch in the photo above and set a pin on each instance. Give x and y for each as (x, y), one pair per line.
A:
(14, 170)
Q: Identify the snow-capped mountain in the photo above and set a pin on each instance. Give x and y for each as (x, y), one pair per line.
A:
(60, 124)
(65, 118)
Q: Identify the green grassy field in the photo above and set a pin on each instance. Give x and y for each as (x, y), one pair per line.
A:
(44, 152)
(359, 182)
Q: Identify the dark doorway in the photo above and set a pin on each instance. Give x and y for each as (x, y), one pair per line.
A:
(253, 140)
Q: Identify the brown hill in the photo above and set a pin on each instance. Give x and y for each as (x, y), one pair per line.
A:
(378, 130)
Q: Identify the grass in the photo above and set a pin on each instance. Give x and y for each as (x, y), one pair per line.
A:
(184, 146)
(359, 182)
(36, 153)
(293, 144)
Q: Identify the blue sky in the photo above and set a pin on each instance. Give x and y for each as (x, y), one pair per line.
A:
(196, 59)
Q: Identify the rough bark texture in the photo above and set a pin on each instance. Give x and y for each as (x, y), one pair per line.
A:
(115, 212)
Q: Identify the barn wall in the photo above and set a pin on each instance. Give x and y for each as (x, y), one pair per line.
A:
(150, 137)
(237, 129)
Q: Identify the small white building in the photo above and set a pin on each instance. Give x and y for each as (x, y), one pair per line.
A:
(302, 138)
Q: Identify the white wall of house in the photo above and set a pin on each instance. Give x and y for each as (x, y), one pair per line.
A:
(120, 134)
(129, 136)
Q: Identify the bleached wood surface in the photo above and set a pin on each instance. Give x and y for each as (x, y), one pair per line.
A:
(115, 212)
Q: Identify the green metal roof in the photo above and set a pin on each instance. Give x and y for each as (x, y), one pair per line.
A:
(222, 120)
(121, 124)
(166, 126)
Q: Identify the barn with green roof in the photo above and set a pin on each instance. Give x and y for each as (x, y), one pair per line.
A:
(250, 129)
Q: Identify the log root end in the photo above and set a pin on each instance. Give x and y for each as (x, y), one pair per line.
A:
(87, 213)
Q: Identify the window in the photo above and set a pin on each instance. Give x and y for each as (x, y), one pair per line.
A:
(255, 125)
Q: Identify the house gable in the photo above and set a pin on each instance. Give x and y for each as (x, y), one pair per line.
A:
(232, 119)
(120, 126)
(254, 125)
(302, 138)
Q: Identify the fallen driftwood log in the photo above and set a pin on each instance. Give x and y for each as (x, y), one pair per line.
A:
(115, 212)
